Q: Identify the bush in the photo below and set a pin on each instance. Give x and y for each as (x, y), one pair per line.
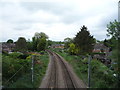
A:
(15, 54)
(42, 52)
(101, 75)
(23, 56)
(11, 65)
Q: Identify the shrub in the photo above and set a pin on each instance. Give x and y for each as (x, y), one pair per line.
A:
(15, 54)
(23, 56)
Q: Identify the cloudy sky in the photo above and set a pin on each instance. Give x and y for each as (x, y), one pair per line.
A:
(57, 18)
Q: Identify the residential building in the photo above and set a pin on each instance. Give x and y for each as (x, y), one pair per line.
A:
(58, 46)
(99, 47)
(8, 47)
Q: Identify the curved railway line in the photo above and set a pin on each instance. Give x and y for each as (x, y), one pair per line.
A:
(60, 75)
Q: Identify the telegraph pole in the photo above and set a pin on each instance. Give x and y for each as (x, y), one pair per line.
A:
(32, 69)
(118, 11)
(89, 70)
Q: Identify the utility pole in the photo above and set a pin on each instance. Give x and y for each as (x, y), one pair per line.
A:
(89, 70)
(32, 69)
(119, 11)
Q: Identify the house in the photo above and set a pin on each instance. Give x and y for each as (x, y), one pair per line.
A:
(99, 48)
(8, 47)
(58, 46)
(102, 53)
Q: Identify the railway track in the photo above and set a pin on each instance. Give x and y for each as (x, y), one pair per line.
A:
(53, 82)
(60, 74)
(65, 72)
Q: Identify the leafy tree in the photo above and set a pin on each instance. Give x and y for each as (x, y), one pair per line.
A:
(84, 41)
(40, 35)
(21, 44)
(10, 41)
(67, 41)
(39, 39)
(110, 43)
(41, 45)
(72, 49)
(34, 43)
(49, 43)
(30, 45)
(113, 29)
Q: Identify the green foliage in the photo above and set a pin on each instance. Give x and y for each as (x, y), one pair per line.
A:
(41, 45)
(15, 54)
(21, 44)
(84, 41)
(72, 49)
(30, 46)
(49, 43)
(34, 43)
(101, 75)
(67, 42)
(40, 35)
(111, 43)
(11, 64)
(10, 41)
(39, 41)
(113, 29)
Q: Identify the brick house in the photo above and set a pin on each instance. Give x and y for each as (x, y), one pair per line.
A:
(8, 47)
(103, 53)
(58, 46)
(99, 47)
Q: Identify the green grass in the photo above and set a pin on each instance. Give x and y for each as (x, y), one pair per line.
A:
(101, 75)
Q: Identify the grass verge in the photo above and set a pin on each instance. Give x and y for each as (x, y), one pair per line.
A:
(101, 75)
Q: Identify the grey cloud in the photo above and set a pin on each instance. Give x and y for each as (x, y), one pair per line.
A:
(67, 13)
(108, 18)
(57, 8)
(22, 26)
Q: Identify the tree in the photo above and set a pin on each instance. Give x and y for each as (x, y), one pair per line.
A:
(113, 29)
(41, 45)
(67, 42)
(10, 41)
(84, 41)
(21, 44)
(34, 43)
(30, 45)
(49, 43)
(72, 49)
(38, 37)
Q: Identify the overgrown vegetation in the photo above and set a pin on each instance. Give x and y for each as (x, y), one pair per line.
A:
(13, 63)
(101, 75)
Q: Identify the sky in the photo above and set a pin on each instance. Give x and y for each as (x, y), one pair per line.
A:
(59, 19)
